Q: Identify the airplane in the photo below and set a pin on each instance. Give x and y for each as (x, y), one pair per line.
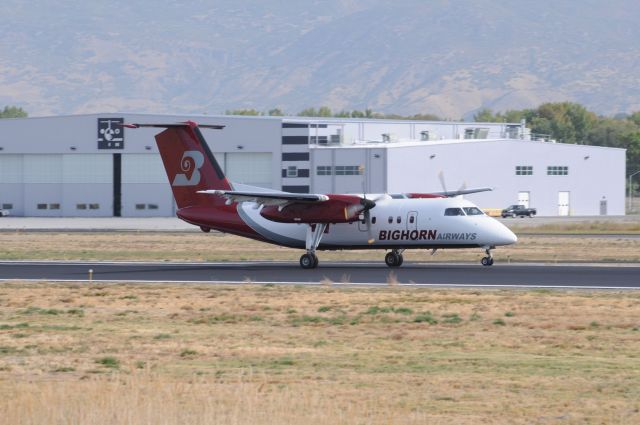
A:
(393, 222)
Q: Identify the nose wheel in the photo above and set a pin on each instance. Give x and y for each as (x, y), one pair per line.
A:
(394, 258)
(488, 260)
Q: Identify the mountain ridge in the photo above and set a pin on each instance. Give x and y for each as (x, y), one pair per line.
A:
(449, 58)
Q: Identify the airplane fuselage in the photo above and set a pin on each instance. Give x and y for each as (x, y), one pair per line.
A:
(393, 224)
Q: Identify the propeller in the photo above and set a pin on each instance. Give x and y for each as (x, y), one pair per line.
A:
(463, 188)
(368, 205)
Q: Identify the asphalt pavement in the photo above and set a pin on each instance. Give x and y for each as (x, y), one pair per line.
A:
(372, 273)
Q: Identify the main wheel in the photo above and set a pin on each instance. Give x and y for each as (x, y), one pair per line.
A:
(401, 260)
(486, 261)
(308, 261)
(315, 261)
(392, 259)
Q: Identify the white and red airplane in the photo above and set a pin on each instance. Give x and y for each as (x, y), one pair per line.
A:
(314, 222)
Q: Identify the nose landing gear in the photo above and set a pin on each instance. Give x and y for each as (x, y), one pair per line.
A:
(488, 260)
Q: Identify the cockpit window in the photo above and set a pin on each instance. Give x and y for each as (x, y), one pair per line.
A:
(473, 211)
(453, 211)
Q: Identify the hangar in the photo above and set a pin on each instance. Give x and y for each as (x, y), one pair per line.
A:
(87, 165)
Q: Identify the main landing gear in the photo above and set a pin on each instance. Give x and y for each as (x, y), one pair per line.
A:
(314, 235)
(488, 260)
(394, 258)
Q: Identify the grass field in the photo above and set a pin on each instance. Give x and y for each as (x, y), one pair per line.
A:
(202, 354)
(194, 246)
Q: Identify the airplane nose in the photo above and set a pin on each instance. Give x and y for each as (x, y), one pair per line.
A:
(504, 235)
(511, 237)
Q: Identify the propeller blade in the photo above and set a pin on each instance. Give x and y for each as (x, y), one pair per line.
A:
(367, 217)
(442, 182)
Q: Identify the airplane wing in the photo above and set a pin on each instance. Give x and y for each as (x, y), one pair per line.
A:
(267, 198)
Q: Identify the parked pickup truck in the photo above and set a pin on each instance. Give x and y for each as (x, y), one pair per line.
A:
(518, 210)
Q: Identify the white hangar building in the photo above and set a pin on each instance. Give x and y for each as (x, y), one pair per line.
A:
(86, 165)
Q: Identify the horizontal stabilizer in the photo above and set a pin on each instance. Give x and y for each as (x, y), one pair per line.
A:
(191, 124)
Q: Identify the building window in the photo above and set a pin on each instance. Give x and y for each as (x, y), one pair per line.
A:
(152, 206)
(54, 206)
(81, 206)
(292, 171)
(320, 140)
(348, 170)
(7, 206)
(140, 206)
(557, 170)
(524, 170)
(94, 206)
(42, 206)
(324, 170)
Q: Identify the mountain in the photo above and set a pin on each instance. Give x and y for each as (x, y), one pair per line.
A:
(447, 57)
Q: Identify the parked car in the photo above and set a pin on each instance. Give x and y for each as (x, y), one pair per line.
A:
(4, 213)
(518, 211)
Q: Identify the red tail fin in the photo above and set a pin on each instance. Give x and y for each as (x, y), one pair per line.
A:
(190, 164)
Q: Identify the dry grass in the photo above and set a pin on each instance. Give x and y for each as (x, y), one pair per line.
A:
(203, 354)
(192, 246)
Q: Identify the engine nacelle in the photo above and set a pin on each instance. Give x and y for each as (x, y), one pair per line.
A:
(338, 209)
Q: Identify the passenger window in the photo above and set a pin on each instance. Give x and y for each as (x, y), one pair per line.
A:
(390, 220)
(453, 211)
(412, 219)
(473, 211)
(398, 219)
(373, 220)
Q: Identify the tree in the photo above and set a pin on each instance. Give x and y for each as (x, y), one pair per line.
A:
(13, 112)
(308, 112)
(251, 112)
(635, 118)
(275, 112)
(324, 111)
(610, 132)
(487, 115)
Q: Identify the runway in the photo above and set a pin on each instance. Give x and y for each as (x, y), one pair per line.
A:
(363, 273)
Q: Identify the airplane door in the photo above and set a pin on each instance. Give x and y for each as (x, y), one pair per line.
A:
(363, 225)
(412, 220)
(563, 203)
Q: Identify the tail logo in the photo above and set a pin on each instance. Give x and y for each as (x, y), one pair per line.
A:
(191, 163)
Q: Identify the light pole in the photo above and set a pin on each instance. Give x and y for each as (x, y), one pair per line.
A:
(631, 190)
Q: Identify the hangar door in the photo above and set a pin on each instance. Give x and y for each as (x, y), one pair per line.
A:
(252, 168)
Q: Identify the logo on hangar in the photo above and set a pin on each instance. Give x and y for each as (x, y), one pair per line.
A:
(110, 133)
